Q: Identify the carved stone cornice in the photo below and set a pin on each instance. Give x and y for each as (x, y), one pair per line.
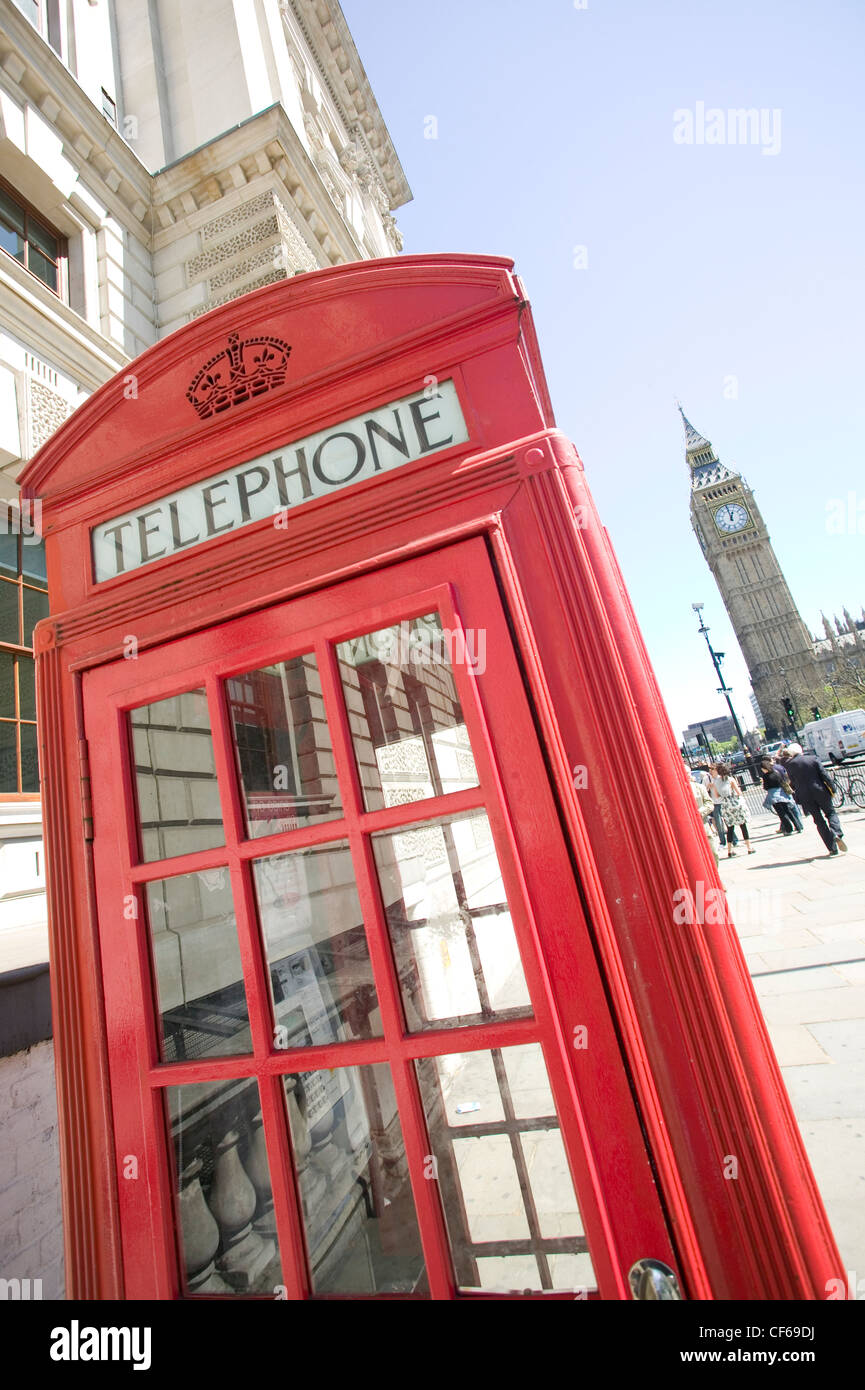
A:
(266, 144)
(139, 199)
(342, 72)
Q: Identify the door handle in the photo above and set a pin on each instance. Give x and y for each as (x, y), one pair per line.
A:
(651, 1279)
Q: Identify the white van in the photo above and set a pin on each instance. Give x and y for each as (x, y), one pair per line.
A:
(838, 737)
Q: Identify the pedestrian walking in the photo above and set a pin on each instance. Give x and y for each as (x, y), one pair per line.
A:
(710, 782)
(734, 812)
(813, 788)
(779, 796)
(704, 806)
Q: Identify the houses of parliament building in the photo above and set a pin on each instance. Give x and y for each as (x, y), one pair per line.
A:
(793, 673)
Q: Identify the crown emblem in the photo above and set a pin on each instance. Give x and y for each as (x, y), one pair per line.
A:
(242, 370)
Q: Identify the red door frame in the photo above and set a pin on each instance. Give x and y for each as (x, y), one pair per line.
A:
(703, 1073)
(618, 1200)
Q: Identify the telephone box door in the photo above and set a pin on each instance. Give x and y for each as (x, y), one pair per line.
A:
(359, 1043)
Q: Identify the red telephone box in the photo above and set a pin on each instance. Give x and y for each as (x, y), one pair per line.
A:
(368, 976)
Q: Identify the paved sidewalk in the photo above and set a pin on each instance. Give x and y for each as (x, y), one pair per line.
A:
(801, 919)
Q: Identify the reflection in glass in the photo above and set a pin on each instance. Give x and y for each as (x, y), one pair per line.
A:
(449, 924)
(196, 961)
(505, 1185)
(356, 1200)
(178, 797)
(224, 1197)
(320, 971)
(283, 747)
(410, 737)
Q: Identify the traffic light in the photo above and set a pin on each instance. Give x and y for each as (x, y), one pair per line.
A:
(815, 710)
(788, 709)
(701, 739)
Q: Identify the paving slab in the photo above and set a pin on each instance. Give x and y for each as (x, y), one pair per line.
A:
(821, 979)
(834, 1147)
(808, 960)
(795, 1045)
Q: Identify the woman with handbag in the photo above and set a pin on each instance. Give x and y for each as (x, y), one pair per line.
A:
(733, 808)
(779, 796)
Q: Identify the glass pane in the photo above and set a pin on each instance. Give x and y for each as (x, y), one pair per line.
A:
(8, 758)
(11, 241)
(449, 924)
(8, 547)
(35, 608)
(40, 237)
(320, 971)
(178, 797)
(30, 8)
(42, 267)
(10, 623)
(356, 1200)
(503, 1177)
(223, 1192)
(10, 212)
(196, 961)
(410, 738)
(283, 747)
(7, 685)
(33, 559)
(27, 686)
(29, 759)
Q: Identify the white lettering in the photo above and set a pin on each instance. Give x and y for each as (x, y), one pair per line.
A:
(76, 1343)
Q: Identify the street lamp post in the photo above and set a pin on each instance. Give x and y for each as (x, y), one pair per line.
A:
(724, 689)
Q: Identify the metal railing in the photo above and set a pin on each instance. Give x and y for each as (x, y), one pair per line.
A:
(849, 785)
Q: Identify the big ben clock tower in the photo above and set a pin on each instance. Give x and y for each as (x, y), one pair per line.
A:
(776, 645)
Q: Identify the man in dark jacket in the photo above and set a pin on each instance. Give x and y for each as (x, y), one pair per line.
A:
(813, 791)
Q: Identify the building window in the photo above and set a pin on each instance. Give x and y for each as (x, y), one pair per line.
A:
(109, 107)
(30, 241)
(44, 15)
(23, 601)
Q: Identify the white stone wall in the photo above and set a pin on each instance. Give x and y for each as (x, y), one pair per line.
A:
(31, 1232)
(245, 146)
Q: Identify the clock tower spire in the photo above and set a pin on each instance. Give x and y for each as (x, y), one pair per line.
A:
(776, 645)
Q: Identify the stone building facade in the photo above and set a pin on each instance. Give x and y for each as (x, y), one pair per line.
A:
(787, 664)
(156, 160)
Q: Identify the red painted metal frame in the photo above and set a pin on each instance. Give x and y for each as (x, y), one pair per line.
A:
(693, 1053)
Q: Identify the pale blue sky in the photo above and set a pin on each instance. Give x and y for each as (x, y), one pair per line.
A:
(555, 130)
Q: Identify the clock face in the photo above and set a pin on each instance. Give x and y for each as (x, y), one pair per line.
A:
(731, 517)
